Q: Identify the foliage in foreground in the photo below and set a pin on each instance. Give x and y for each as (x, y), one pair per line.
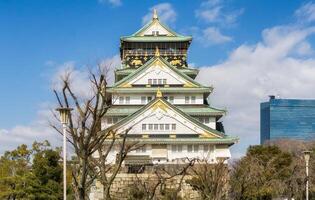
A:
(271, 171)
(31, 173)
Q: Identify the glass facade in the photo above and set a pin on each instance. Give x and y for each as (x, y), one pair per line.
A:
(287, 119)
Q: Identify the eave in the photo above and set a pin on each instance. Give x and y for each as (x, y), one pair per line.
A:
(228, 140)
(195, 110)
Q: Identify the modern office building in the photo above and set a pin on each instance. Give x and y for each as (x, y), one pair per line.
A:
(287, 119)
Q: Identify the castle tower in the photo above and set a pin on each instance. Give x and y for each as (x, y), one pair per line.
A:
(155, 95)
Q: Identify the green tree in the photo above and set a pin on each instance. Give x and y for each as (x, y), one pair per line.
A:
(261, 174)
(31, 173)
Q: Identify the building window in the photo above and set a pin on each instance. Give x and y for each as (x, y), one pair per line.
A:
(155, 33)
(174, 148)
(141, 149)
(109, 120)
(177, 148)
(159, 127)
(154, 81)
(160, 81)
(205, 148)
(186, 100)
(121, 100)
(127, 100)
(149, 99)
(164, 81)
(207, 121)
(171, 99)
(193, 99)
(165, 97)
(150, 81)
(196, 148)
(143, 100)
(189, 148)
(115, 120)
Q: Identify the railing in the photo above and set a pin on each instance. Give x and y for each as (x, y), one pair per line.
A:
(141, 52)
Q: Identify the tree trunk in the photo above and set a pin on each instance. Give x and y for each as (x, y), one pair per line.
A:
(106, 192)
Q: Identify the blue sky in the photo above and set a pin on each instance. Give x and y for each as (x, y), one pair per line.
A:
(37, 37)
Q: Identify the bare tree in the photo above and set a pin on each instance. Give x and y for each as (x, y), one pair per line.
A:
(107, 171)
(84, 132)
(210, 180)
(155, 183)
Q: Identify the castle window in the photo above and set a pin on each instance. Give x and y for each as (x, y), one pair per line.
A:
(141, 149)
(127, 100)
(177, 148)
(121, 100)
(193, 148)
(196, 148)
(189, 148)
(186, 99)
(171, 99)
(143, 100)
(144, 127)
(193, 99)
(207, 120)
(155, 33)
(205, 148)
(115, 120)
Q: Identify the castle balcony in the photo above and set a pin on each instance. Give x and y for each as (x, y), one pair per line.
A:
(151, 52)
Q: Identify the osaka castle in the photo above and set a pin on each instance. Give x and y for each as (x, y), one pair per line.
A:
(155, 97)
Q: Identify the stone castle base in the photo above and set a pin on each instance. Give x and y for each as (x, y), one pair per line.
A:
(125, 185)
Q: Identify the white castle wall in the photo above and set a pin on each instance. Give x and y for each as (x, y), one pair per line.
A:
(179, 99)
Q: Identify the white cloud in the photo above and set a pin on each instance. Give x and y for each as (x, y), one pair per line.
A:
(306, 13)
(40, 128)
(212, 35)
(209, 15)
(213, 11)
(165, 12)
(252, 72)
(114, 3)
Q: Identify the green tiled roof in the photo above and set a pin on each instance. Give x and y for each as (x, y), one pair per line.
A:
(196, 110)
(136, 38)
(155, 38)
(127, 71)
(224, 140)
(184, 115)
(148, 63)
